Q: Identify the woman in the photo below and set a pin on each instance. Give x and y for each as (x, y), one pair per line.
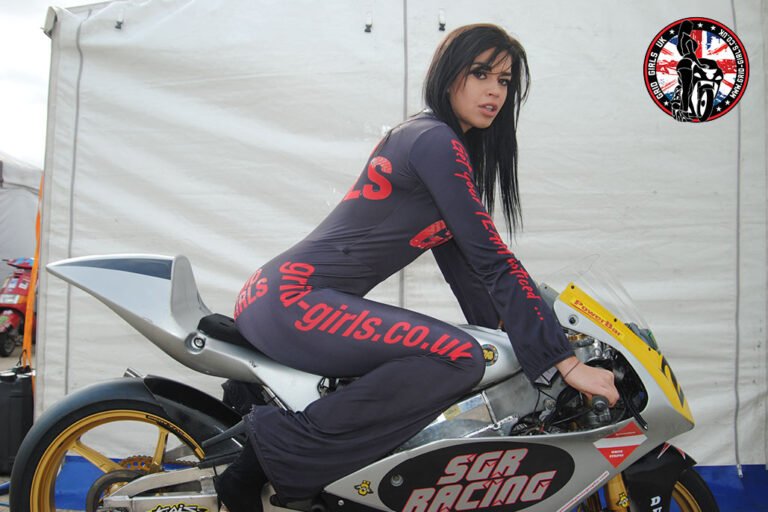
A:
(426, 186)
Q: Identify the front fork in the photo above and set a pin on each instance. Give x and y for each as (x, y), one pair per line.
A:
(616, 494)
(645, 486)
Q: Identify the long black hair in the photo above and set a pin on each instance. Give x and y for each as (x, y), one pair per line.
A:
(493, 150)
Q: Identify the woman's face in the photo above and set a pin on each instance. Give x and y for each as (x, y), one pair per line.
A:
(477, 99)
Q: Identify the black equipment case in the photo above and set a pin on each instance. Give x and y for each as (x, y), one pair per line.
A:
(16, 410)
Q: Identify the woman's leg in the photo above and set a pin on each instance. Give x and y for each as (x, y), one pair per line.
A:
(411, 368)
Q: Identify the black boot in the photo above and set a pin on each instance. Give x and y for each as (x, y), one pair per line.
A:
(239, 487)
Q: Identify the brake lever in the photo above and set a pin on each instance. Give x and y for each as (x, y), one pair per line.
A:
(631, 406)
(602, 403)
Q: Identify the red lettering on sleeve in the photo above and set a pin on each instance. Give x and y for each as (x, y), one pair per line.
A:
(470, 183)
(462, 157)
(515, 268)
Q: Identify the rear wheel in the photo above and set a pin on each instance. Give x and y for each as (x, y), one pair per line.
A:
(89, 435)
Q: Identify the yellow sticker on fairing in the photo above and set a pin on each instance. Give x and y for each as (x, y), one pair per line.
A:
(651, 359)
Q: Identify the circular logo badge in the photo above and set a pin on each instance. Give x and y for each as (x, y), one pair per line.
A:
(490, 354)
(696, 69)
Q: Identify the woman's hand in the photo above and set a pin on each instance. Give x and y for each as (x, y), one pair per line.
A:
(588, 380)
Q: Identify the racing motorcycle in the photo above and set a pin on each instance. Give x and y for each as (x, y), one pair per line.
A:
(13, 304)
(508, 445)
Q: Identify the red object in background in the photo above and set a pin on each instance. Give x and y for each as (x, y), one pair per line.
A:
(13, 304)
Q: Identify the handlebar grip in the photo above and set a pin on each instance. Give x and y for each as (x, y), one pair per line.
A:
(601, 409)
(599, 403)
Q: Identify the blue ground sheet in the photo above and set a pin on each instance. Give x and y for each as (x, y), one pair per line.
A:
(733, 494)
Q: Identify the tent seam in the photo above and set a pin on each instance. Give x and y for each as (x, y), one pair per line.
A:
(401, 273)
(76, 130)
(764, 26)
(737, 307)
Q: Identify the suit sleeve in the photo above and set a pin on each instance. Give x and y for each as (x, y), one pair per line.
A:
(442, 164)
(475, 302)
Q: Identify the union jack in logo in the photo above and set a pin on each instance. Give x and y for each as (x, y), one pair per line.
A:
(696, 69)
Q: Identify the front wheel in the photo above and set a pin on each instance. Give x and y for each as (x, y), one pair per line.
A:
(703, 99)
(101, 438)
(690, 494)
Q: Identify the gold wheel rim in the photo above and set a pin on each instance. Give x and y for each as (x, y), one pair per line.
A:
(684, 499)
(42, 488)
(680, 495)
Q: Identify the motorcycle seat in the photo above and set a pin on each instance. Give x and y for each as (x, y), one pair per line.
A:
(223, 329)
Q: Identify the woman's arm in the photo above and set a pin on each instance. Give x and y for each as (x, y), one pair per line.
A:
(476, 304)
(440, 161)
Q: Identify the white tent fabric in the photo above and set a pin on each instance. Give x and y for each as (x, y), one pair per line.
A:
(19, 184)
(224, 130)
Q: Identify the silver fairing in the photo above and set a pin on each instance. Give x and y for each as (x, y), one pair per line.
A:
(589, 458)
(158, 296)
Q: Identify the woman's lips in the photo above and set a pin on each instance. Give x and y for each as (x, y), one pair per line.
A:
(489, 110)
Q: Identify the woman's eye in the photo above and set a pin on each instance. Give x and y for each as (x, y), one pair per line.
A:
(504, 82)
(480, 74)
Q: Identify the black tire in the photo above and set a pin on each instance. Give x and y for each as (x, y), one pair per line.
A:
(704, 103)
(7, 344)
(40, 455)
(692, 494)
